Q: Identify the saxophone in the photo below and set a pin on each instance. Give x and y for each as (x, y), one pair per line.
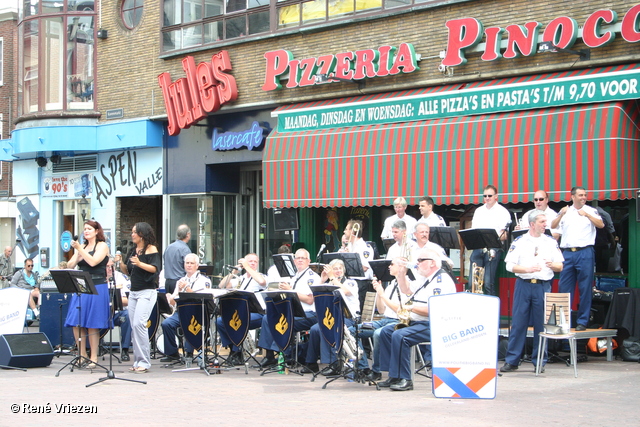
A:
(349, 345)
(404, 315)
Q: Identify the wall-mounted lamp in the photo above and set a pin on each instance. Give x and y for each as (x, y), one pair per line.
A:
(103, 34)
(83, 203)
(56, 159)
(41, 161)
(584, 54)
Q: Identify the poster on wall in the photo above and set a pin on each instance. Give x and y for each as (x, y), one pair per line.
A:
(27, 231)
(72, 186)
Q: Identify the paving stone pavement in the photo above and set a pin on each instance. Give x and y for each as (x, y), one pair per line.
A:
(604, 394)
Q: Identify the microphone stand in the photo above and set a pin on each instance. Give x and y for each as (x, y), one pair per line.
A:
(110, 374)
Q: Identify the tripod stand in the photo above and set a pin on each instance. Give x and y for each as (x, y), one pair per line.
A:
(78, 282)
(116, 305)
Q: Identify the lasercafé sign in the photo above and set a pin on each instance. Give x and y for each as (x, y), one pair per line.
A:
(605, 87)
(523, 40)
(206, 88)
(358, 65)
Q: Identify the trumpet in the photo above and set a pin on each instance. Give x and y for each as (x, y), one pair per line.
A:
(477, 279)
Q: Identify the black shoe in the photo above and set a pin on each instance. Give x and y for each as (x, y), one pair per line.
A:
(507, 367)
(581, 328)
(541, 369)
(388, 382)
(124, 355)
(330, 371)
(310, 368)
(402, 385)
(268, 361)
(235, 359)
(171, 358)
(373, 376)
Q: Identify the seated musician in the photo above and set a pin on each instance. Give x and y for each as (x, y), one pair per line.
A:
(387, 304)
(300, 283)
(395, 344)
(121, 318)
(333, 274)
(192, 282)
(251, 281)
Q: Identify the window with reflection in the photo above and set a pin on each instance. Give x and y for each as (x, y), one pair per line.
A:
(132, 13)
(190, 23)
(57, 57)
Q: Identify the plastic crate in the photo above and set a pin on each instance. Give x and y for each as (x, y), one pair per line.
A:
(610, 284)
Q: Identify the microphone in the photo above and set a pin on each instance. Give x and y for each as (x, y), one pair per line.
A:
(322, 248)
(75, 237)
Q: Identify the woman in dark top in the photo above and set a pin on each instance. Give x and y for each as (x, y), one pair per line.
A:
(93, 315)
(143, 267)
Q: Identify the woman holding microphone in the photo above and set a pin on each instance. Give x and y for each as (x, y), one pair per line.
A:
(93, 314)
(143, 268)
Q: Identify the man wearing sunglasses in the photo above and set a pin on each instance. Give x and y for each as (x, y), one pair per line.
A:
(28, 279)
(395, 344)
(541, 203)
(490, 215)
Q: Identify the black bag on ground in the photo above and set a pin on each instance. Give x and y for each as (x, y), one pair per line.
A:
(631, 349)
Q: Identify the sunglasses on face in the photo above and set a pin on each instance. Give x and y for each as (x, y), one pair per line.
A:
(487, 196)
(538, 200)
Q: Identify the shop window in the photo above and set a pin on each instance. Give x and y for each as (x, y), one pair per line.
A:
(189, 23)
(132, 13)
(57, 62)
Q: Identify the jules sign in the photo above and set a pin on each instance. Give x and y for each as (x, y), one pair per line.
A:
(206, 88)
(523, 40)
(358, 65)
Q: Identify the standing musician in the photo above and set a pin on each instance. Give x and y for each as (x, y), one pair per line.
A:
(404, 246)
(300, 283)
(490, 215)
(251, 281)
(425, 204)
(356, 244)
(121, 318)
(395, 344)
(333, 274)
(533, 257)
(91, 257)
(422, 241)
(388, 303)
(193, 281)
(143, 268)
(400, 206)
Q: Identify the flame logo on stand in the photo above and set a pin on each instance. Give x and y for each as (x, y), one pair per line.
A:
(282, 325)
(235, 321)
(194, 326)
(328, 320)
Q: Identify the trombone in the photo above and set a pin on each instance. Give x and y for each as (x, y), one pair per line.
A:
(355, 230)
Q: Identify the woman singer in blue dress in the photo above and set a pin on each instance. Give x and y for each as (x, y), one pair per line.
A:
(93, 314)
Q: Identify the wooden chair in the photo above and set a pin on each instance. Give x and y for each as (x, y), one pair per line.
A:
(561, 301)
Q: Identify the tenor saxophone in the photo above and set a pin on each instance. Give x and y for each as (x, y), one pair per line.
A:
(477, 279)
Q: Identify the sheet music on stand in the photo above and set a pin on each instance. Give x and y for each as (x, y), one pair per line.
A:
(285, 265)
(480, 238)
(352, 262)
(282, 295)
(252, 298)
(387, 243)
(70, 281)
(445, 237)
(381, 270)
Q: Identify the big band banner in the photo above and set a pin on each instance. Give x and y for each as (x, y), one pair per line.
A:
(192, 322)
(280, 320)
(13, 309)
(464, 344)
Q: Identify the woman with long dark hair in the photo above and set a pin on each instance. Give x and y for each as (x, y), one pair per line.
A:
(143, 267)
(93, 315)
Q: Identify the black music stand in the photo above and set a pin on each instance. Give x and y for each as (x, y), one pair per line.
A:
(298, 311)
(204, 299)
(380, 269)
(79, 282)
(352, 263)
(387, 243)
(445, 237)
(285, 265)
(480, 238)
(116, 305)
(254, 307)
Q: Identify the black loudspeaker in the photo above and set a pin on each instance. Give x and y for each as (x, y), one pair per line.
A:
(25, 350)
(53, 312)
(285, 219)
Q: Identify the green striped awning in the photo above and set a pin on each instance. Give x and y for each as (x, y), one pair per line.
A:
(595, 146)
